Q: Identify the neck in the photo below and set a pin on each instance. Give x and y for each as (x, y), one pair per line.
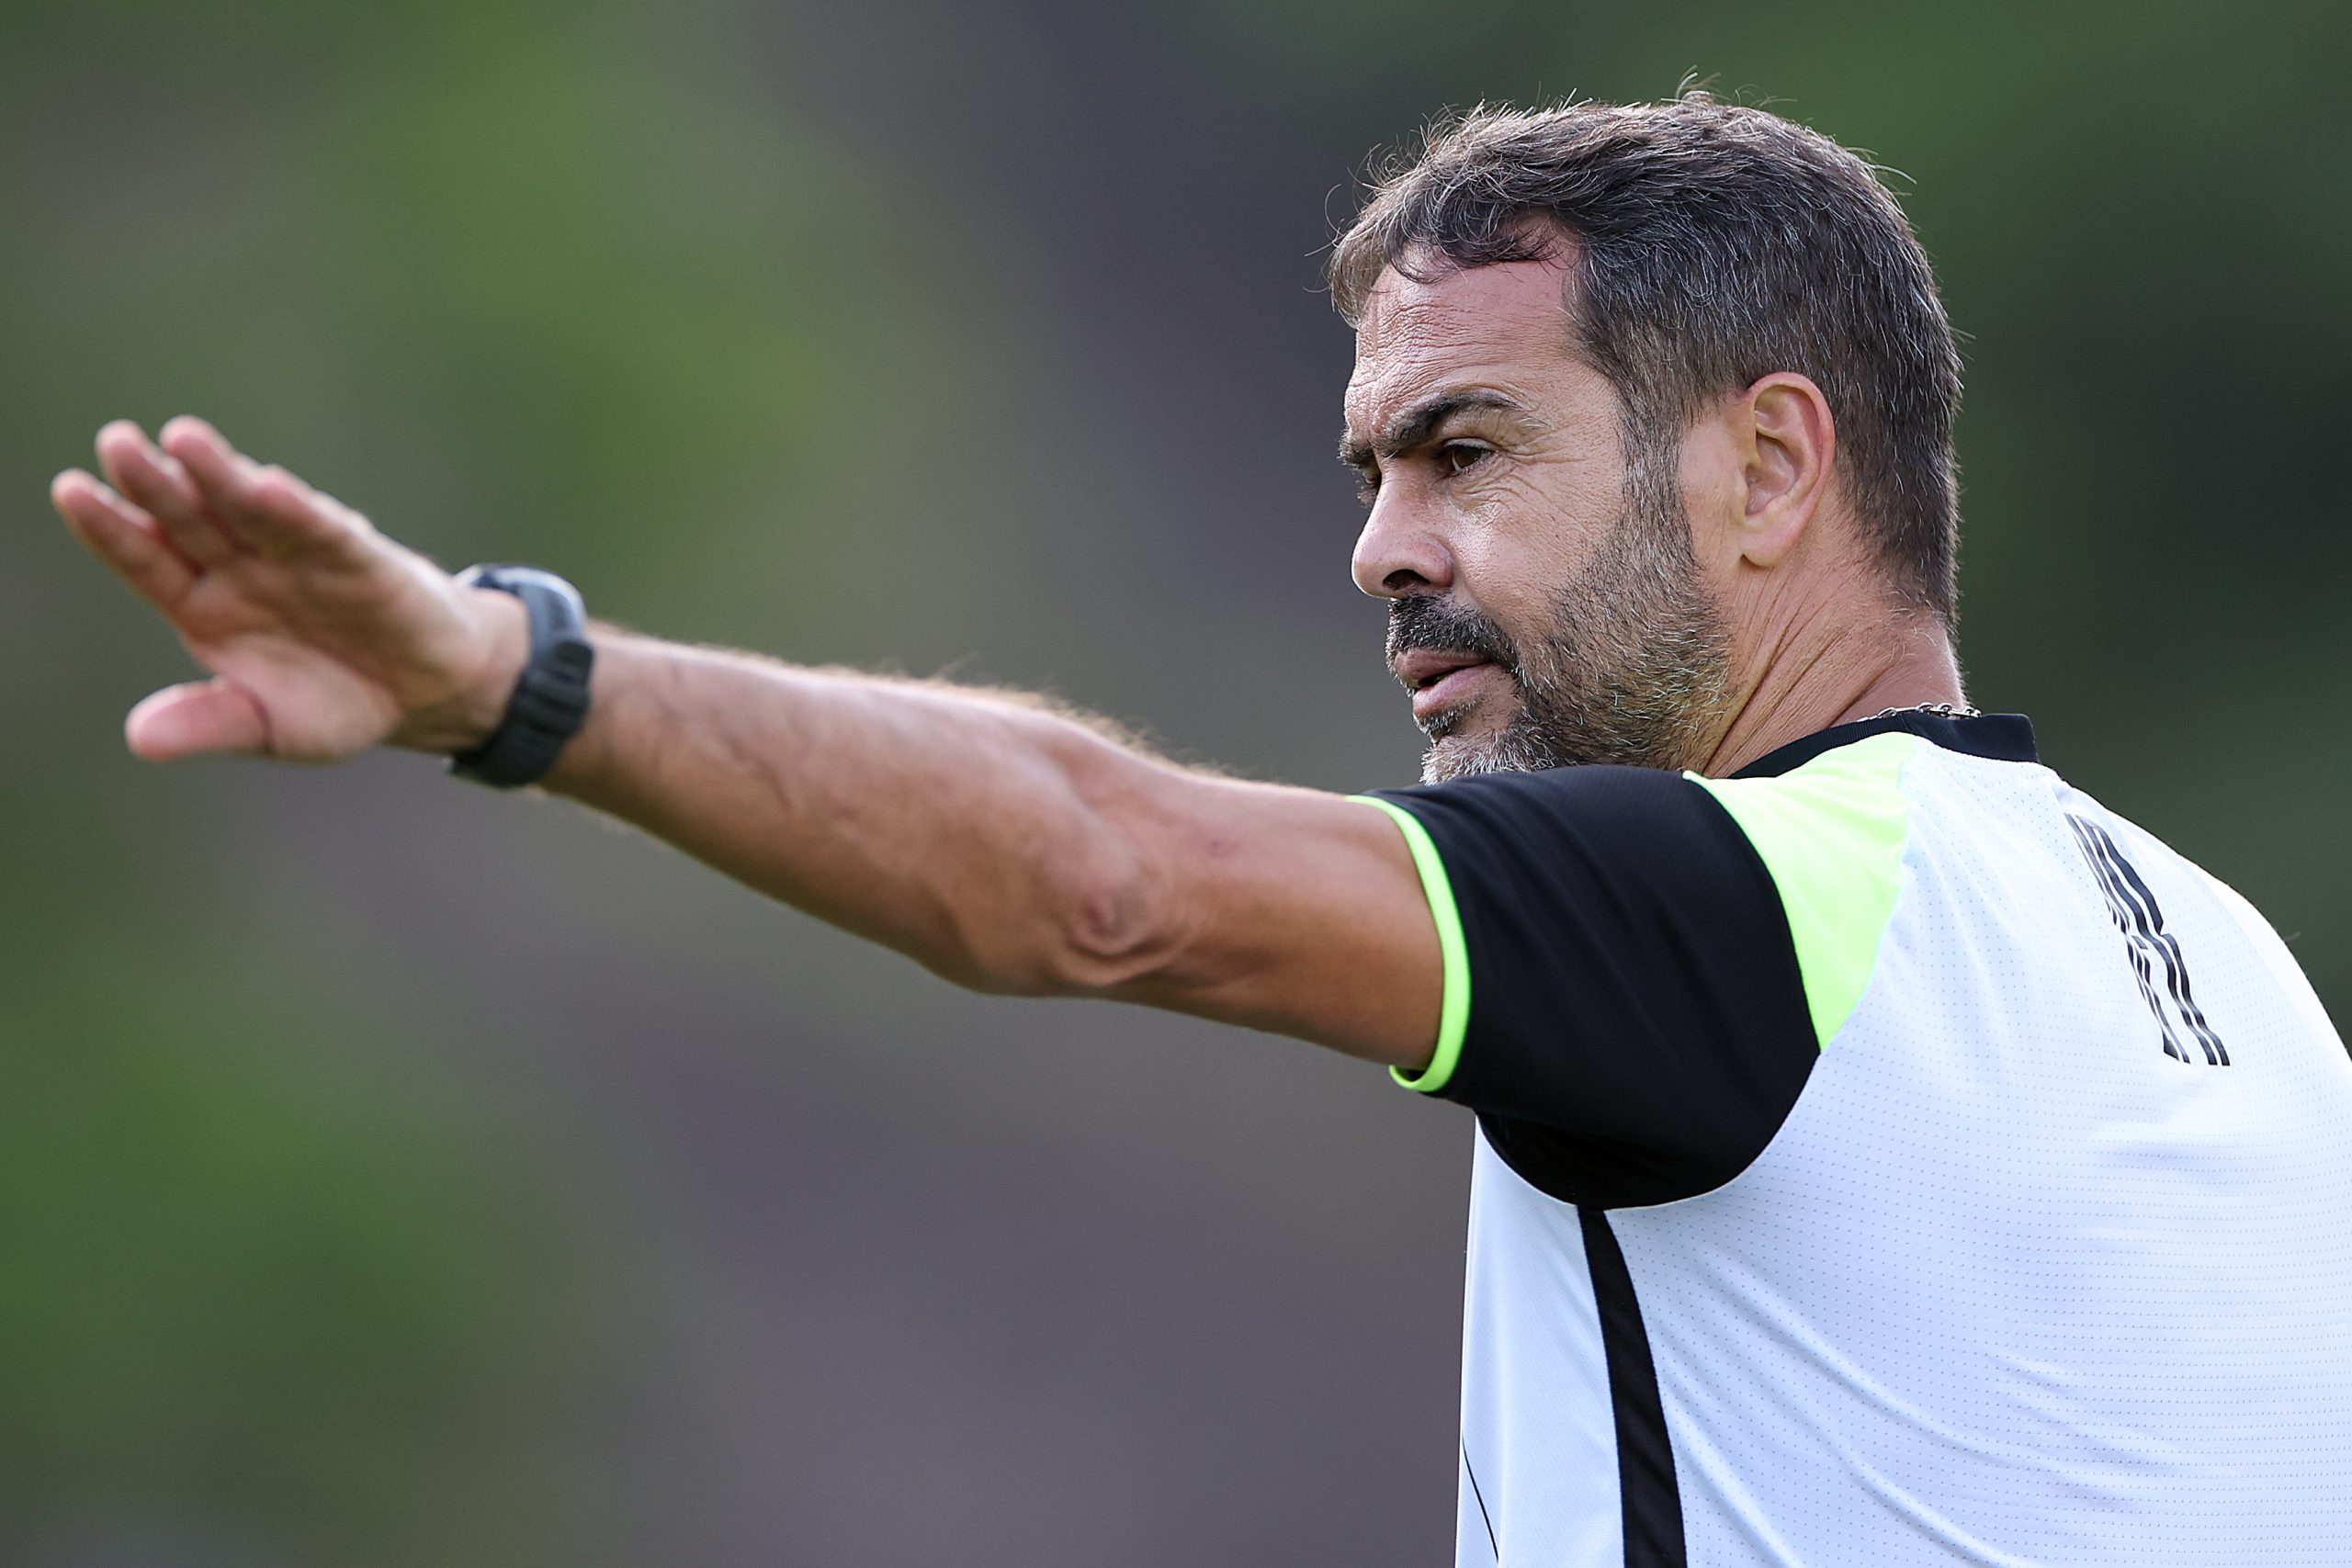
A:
(1819, 677)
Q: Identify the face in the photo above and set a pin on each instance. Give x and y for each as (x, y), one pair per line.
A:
(1545, 604)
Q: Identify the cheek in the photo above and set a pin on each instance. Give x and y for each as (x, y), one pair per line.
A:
(1527, 534)
(1517, 590)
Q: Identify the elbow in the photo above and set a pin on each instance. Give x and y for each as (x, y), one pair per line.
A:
(1092, 936)
(1113, 935)
(1090, 899)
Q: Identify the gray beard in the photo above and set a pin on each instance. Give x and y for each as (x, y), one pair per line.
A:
(1634, 668)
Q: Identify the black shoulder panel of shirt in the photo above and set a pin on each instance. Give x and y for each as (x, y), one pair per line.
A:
(1639, 1027)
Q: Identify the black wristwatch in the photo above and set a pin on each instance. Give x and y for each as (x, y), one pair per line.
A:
(550, 700)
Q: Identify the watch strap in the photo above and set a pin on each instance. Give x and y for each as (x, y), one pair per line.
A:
(551, 698)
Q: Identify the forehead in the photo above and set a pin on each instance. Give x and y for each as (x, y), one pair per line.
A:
(1503, 326)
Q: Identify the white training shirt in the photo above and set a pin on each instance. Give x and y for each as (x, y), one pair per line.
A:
(1886, 1156)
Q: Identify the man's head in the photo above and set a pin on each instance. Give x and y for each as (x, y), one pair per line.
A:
(1634, 386)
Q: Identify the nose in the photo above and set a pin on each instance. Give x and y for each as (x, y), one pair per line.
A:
(1396, 555)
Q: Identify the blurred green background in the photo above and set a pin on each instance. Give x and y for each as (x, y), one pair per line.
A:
(392, 1173)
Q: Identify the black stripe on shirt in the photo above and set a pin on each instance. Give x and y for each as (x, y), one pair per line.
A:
(1648, 1492)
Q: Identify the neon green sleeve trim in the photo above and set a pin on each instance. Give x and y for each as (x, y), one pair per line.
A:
(1831, 833)
(1454, 1013)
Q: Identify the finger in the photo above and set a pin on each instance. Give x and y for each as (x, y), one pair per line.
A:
(192, 719)
(157, 482)
(268, 507)
(219, 472)
(293, 518)
(121, 535)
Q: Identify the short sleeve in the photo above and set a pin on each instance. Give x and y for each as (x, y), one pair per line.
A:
(1624, 1006)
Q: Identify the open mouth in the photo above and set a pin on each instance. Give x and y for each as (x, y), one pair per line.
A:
(1438, 680)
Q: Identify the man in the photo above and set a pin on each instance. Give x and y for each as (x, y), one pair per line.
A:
(1887, 1154)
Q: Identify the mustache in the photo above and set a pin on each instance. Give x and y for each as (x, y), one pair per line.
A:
(1440, 625)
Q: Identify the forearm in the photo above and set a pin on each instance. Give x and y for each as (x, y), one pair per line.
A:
(1002, 845)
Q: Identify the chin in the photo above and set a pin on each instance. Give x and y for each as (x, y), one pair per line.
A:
(1460, 754)
(1460, 746)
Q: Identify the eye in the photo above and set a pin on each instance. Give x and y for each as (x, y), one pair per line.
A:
(1367, 485)
(1459, 457)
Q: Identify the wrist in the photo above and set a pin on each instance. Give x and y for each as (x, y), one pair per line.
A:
(499, 639)
(506, 628)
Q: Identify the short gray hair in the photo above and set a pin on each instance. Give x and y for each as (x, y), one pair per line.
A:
(1716, 243)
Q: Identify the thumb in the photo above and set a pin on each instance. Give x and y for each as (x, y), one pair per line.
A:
(191, 719)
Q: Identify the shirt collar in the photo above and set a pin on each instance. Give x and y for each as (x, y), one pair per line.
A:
(2002, 736)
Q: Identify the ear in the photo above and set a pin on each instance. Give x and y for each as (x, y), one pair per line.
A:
(1787, 446)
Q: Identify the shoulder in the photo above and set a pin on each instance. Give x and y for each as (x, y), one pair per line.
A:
(1844, 801)
(1621, 1004)
(1831, 835)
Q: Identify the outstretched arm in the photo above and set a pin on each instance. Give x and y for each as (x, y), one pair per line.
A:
(1000, 843)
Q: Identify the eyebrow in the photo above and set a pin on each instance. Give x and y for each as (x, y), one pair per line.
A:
(1416, 425)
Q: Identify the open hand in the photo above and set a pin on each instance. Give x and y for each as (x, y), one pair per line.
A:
(324, 636)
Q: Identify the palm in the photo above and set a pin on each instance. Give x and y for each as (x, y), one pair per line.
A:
(325, 637)
(311, 651)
